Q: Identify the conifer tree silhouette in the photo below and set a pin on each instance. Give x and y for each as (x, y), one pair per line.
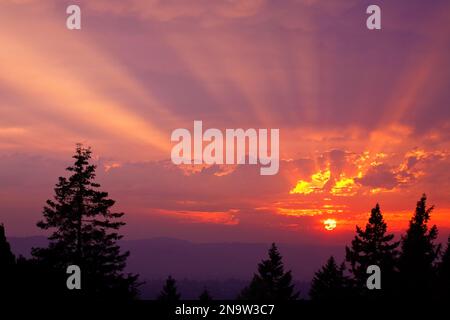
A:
(419, 253)
(329, 283)
(373, 246)
(443, 281)
(169, 292)
(271, 282)
(7, 265)
(205, 296)
(7, 258)
(85, 233)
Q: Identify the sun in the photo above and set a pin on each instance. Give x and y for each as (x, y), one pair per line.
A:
(329, 224)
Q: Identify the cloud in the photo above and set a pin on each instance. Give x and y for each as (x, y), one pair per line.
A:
(208, 217)
(362, 118)
(379, 176)
(164, 10)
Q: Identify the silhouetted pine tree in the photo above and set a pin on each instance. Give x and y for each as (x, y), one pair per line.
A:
(7, 258)
(205, 296)
(443, 281)
(7, 265)
(373, 246)
(419, 253)
(329, 283)
(271, 282)
(85, 233)
(169, 292)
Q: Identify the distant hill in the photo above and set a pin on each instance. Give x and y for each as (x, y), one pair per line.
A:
(22, 245)
(223, 267)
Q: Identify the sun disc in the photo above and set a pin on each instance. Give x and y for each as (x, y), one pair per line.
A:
(330, 224)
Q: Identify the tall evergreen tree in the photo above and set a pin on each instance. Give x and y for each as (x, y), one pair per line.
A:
(169, 292)
(85, 233)
(419, 254)
(7, 258)
(271, 282)
(373, 246)
(443, 281)
(7, 265)
(329, 283)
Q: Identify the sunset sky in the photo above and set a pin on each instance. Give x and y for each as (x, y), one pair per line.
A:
(364, 116)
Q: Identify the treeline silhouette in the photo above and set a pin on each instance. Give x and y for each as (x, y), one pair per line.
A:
(412, 269)
(85, 232)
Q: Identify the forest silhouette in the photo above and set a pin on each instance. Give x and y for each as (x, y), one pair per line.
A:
(84, 231)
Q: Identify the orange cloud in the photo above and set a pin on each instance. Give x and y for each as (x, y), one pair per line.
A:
(317, 183)
(218, 217)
